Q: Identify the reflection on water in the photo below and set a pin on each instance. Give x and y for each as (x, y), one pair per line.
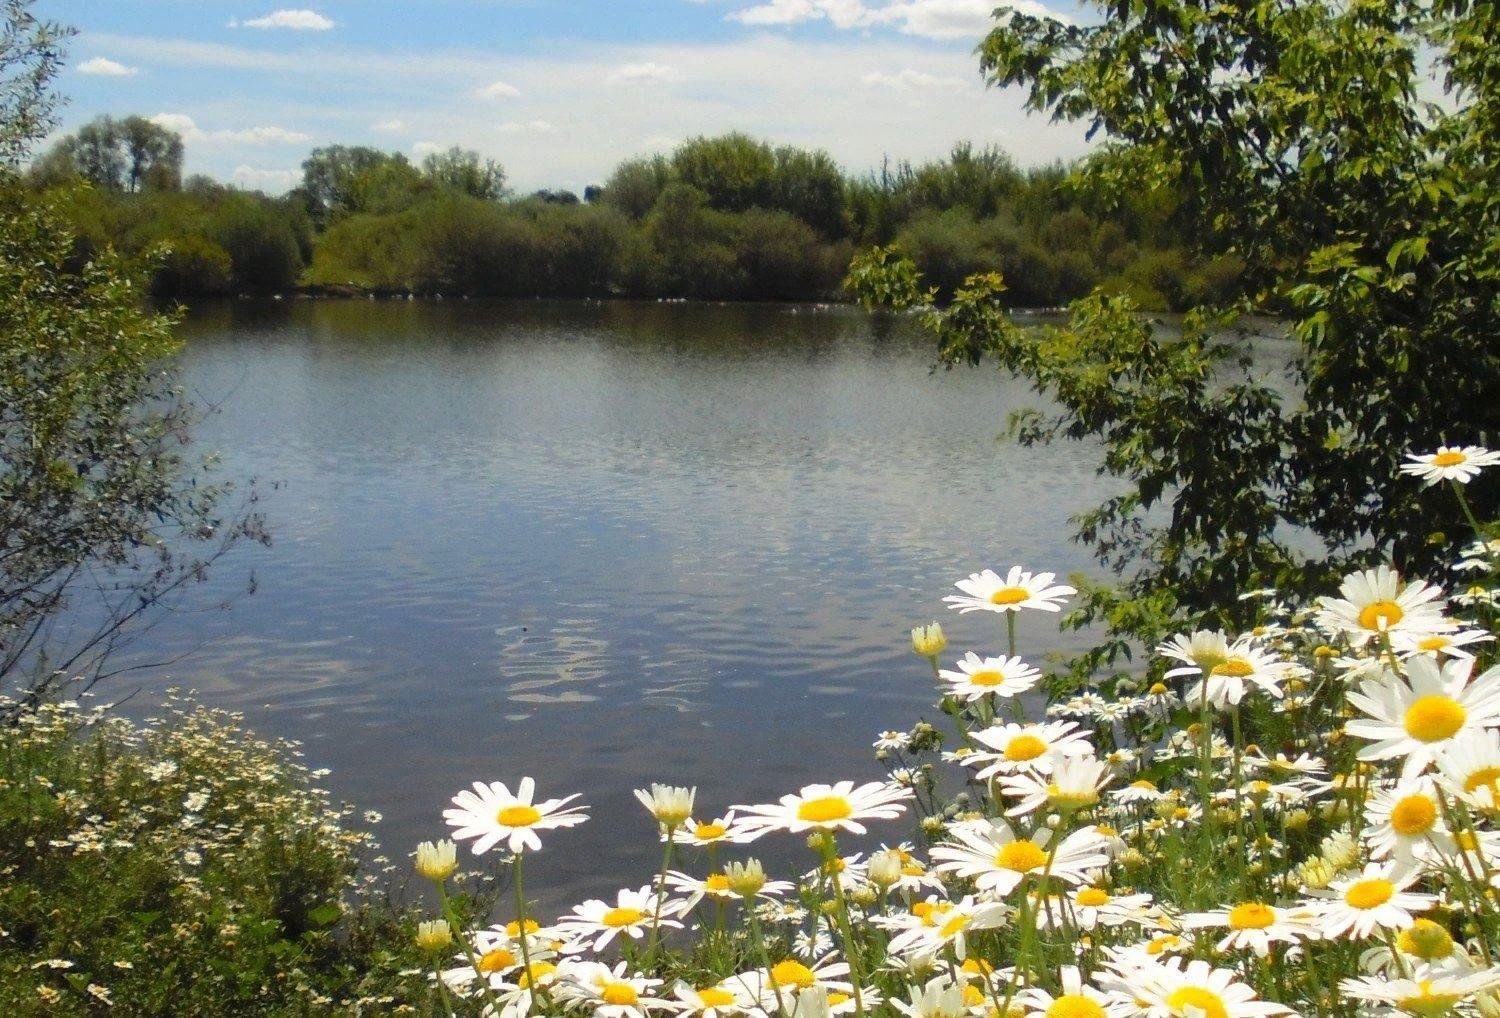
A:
(601, 545)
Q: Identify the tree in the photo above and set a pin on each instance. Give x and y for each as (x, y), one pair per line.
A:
(636, 184)
(734, 171)
(329, 175)
(811, 187)
(119, 155)
(1297, 140)
(467, 172)
(98, 501)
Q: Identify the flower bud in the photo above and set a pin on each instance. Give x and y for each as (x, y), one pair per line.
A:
(885, 868)
(746, 878)
(434, 935)
(436, 860)
(928, 641)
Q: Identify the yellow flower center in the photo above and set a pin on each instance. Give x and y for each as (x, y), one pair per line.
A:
(1434, 718)
(953, 927)
(1427, 1004)
(1448, 459)
(973, 995)
(1093, 897)
(836, 998)
(1413, 816)
(976, 966)
(793, 973)
(1251, 915)
(1367, 894)
(825, 810)
(912, 869)
(1426, 939)
(1380, 615)
(518, 816)
(541, 970)
(513, 928)
(1074, 1005)
(1010, 595)
(1484, 777)
(712, 996)
(618, 917)
(619, 993)
(497, 960)
(1023, 748)
(708, 832)
(987, 678)
(1466, 841)
(1197, 998)
(716, 882)
(1143, 783)
(1021, 857)
(1235, 667)
(1434, 643)
(1158, 689)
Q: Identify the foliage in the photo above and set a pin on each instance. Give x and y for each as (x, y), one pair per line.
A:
(182, 866)
(466, 172)
(129, 155)
(1297, 147)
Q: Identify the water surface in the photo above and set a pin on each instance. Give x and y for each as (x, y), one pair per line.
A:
(600, 544)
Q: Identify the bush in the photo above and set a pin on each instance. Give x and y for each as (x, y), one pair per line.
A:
(183, 866)
(192, 267)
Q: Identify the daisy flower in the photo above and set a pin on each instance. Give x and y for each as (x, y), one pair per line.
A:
(790, 980)
(1375, 602)
(1226, 683)
(595, 923)
(669, 804)
(1256, 925)
(1452, 644)
(893, 740)
(977, 677)
(1460, 463)
(1401, 819)
(939, 998)
(1077, 1000)
(1417, 718)
(612, 992)
(716, 1001)
(1088, 907)
(997, 861)
(491, 814)
(1469, 767)
(496, 954)
(1028, 747)
(1171, 989)
(933, 925)
(988, 592)
(716, 886)
(1375, 899)
(829, 807)
(1139, 791)
(1199, 652)
(1074, 784)
(707, 833)
(1428, 991)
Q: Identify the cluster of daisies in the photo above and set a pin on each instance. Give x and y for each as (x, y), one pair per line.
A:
(1297, 819)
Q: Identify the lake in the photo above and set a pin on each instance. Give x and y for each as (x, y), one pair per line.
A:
(599, 544)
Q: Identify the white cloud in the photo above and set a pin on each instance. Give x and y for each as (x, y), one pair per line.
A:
(188, 128)
(426, 148)
(781, 87)
(909, 79)
(178, 122)
(648, 71)
(529, 127)
(388, 126)
(274, 181)
(498, 90)
(298, 20)
(106, 68)
(929, 19)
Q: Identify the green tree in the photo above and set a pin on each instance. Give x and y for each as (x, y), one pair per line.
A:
(329, 178)
(1298, 140)
(734, 172)
(636, 184)
(466, 172)
(97, 497)
(130, 155)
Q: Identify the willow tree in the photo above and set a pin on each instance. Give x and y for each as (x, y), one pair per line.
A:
(103, 511)
(1346, 154)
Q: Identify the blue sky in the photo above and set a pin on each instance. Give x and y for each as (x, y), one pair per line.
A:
(558, 90)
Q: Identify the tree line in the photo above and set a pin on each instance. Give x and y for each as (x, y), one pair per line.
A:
(727, 217)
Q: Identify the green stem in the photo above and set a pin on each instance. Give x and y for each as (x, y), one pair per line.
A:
(760, 947)
(851, 952)
(661, 895)
(521, 931)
